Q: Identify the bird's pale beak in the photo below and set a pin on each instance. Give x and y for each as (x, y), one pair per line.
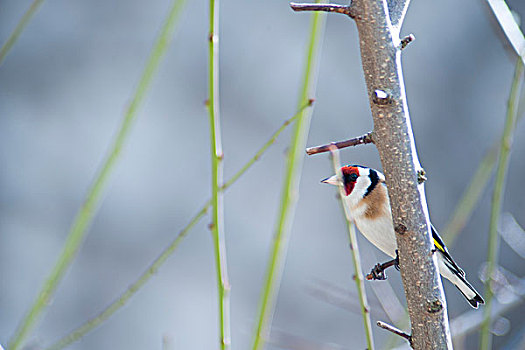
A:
(332, 180)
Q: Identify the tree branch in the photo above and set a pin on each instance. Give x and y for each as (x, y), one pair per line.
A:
(395, 331)
(361, 140)
(345, 10)
(381, 58)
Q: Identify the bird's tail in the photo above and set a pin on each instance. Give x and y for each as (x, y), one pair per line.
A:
(473, 297)
(456, 275)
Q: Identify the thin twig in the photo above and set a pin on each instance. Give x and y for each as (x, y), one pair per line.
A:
(395, 330)
(159, 261)
(345, 10)
(497, 199)
(86, 212)
(20, 26)
(217, 225)
(290, 186)
(361, 140)
(358, 272)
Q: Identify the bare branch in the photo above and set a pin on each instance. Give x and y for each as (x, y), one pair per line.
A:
(361, 140)
(345, 10)
(395, 330)
(381, 59)
(378, 28)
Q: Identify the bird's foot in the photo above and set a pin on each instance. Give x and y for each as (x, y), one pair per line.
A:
(378, 272)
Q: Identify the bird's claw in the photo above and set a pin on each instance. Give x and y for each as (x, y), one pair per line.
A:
(377, 273)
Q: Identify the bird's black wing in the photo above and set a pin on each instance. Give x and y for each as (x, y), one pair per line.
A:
(440, 246)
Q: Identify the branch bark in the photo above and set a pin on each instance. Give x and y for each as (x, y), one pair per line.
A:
(394, 330)
(381, 58)
(361, 140)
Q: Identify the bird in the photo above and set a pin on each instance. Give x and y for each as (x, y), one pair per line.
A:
(366, 194)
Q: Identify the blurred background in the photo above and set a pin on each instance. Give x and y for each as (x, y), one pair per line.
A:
(64, 88)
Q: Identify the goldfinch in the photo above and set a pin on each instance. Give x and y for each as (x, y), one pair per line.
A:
(367, 199)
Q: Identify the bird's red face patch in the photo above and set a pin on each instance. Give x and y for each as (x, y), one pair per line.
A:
(350, 175)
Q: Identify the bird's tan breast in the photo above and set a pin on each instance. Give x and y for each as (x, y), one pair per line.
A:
(375, 202)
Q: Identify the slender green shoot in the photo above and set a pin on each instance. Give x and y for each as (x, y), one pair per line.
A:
(217, 225)
(20, 26)
(358, 272)
(290, 186)
(86, 212)
(497, 199)
(159, 261)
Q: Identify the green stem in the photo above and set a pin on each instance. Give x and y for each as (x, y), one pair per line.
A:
(86, 212)
(497, 199)
(159, 261)
(217, 226)
(290, 186)
(358, 272)
(20, 26)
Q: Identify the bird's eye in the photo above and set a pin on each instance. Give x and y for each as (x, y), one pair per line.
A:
(353, 177)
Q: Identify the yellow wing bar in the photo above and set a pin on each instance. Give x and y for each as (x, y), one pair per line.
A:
(439, 246)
